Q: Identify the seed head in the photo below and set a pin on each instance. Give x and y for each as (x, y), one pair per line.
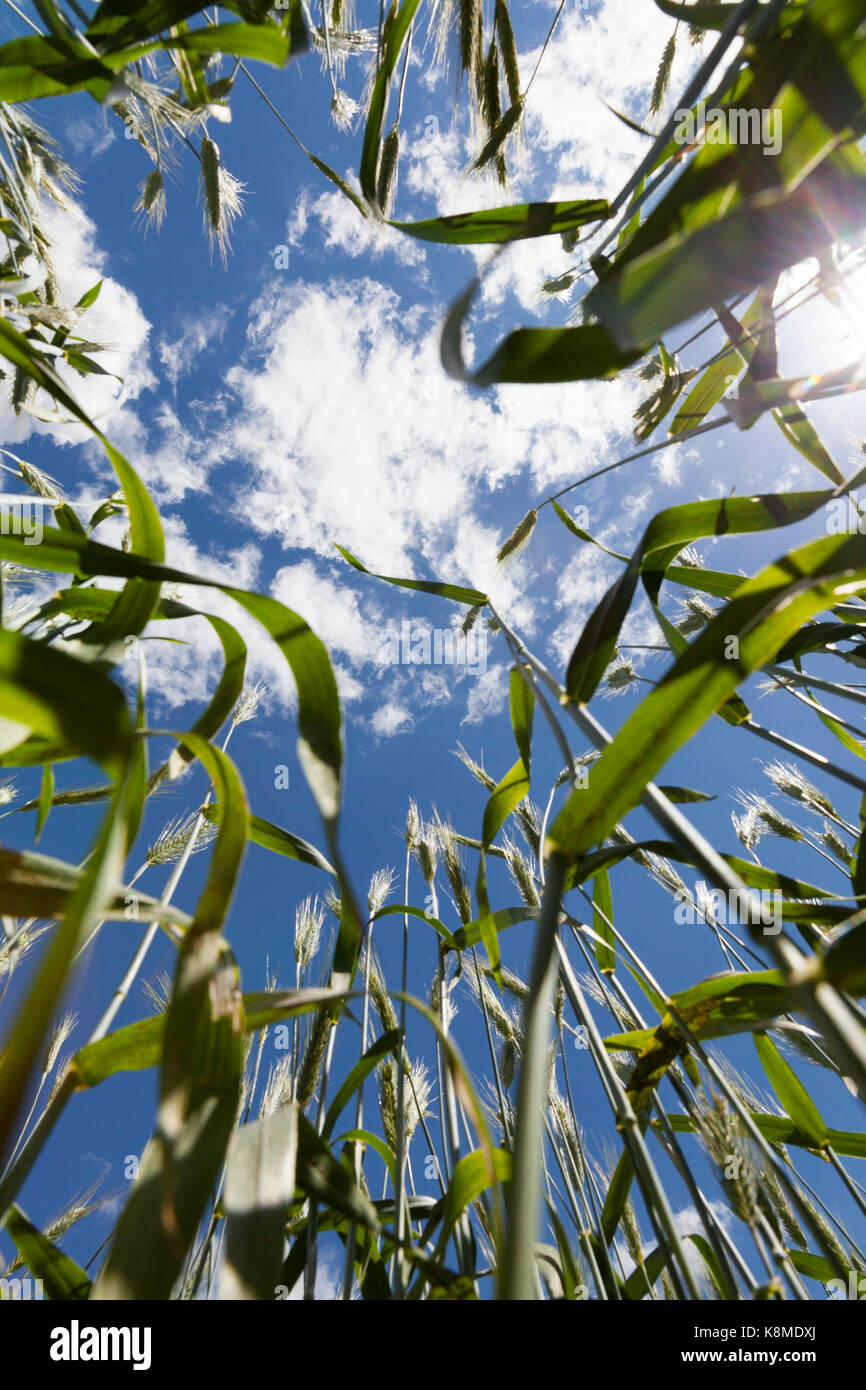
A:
(769, 816)
(619, 677)
(221, 196)
(249, 701)
(519, 538)
(39, 482)
(343, 110)
(59, 1034)
(791, 783)
(172, 840)
(381, 885)
(747, 828)
(151, 205)
(309, 920)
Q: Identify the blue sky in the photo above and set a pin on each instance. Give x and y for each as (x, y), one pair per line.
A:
(275, 409)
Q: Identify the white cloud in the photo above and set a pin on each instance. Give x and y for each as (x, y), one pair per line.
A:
(339, 424)
(331, 608)
(605, 55)
(178, 356)
(487, 695)
(687, 1222)
(573, 144)
(346, 230)
(90, 136)
(580, 586)
(391, 719)
(354, 434)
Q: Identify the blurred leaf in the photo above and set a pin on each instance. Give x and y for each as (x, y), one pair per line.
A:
(46, 796)
(534, 354)
(259, 1187)
(60, 1276)
(200, 1078)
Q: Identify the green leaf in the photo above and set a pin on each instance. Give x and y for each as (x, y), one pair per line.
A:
(138, 1046)
(717, 1274)
(639, 1282)
(395, 32)
(696, 269)
(199, 1090)
(472, 1175)
(26, 1036)
(716, 380)
(844, 961)
(817, 1267)
(46, 797)
(262, 41)
(505, 798)
(273, 837)
(223, 700)
(513, 223)
(684, 795)
(60, 1276)
(200, 1078)
(259, 1187)
(764, 613)
(792, 1094)
(602, 900)
(718, 1007)
(583, 353)
(665, 536)
(521, 701)
(36, 885)
(618, 1190)
(473, 597)
(320, 746)
(712, 14)
(90, 296)
(375, 1142)
(778, 1129)
(732, 219)
(69, 703)
(388, 1043)
(323, 1178)
(42, 66)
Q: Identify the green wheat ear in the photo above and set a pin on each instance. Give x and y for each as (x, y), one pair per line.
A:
(519, 538)
(663, 75)
(222, 200)
(386, 187)
(152, 205)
